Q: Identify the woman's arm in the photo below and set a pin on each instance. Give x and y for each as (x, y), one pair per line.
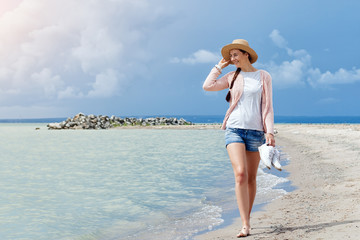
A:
(212, 83)
(269, 111)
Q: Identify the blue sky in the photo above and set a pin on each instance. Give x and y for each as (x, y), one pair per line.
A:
(142, 57)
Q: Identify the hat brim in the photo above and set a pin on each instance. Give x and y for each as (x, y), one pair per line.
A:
(225, 51)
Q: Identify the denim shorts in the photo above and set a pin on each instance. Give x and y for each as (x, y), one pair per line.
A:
(251, 138)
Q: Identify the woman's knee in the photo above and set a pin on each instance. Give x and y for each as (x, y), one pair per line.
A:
(241, 177)
(251, 179)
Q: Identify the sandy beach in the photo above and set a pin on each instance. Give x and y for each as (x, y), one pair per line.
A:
(324, 166)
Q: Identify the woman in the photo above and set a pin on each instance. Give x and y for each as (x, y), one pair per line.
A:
(249, 121)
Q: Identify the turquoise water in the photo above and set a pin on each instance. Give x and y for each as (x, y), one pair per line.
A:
(115, 184)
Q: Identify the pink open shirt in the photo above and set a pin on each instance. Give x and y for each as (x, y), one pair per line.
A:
(212, 83)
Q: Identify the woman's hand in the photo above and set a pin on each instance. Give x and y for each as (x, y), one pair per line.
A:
(270, 140)
(223, 63)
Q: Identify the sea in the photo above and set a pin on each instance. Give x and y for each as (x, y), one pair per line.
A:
(215, 119)
(122, 184)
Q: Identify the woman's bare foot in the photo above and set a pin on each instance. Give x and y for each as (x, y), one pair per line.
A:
(245, 231)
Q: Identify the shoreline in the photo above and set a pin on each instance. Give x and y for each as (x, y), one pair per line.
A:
(231, 216)
(324, 161)
(196, 126)
(218, 126)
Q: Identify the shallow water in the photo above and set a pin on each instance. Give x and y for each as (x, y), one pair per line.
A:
(115, 184)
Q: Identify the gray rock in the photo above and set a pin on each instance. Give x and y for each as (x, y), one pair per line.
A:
(54, 126)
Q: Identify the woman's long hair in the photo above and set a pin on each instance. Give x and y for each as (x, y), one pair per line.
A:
(228, 96)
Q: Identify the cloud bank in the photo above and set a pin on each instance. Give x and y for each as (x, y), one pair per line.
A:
(299, 70)
(63, 49)
(200, 56)
(294, 72)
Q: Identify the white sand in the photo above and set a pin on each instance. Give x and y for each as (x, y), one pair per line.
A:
(325, 168)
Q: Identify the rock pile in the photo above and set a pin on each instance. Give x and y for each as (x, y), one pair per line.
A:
(81, 121)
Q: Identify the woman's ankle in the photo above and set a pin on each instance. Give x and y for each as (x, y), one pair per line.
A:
(246, 225)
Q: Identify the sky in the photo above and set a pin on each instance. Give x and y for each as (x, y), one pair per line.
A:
(142, 57)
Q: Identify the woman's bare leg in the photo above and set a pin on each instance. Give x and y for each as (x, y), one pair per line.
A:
(237, 157)
(252, 162)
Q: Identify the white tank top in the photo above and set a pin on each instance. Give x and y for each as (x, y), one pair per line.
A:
(247, 113)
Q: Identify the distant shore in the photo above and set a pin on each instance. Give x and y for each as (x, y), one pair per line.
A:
(218, 126)
(324, 165)
(197, 126)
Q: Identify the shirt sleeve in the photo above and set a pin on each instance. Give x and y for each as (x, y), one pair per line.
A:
(214, 83)
(268, 108)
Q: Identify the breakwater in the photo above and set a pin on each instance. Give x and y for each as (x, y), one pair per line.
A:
(82, 121)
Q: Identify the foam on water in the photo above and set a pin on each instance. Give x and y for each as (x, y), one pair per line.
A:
(183, 227)
(266, 184)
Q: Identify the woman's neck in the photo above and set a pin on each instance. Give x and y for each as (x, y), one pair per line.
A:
(248, 68)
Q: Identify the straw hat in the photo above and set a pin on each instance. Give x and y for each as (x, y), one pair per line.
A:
(239, 44)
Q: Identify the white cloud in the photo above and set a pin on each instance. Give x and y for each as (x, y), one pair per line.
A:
(49, 83)
(287, 73)
(341, 76)
(97, 50)
(278, 39)
(300, 71)
(200, 56)
(106, 84)
(60, 49)
(69, 92)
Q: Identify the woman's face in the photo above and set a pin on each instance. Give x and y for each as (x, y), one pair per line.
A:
(238, 58)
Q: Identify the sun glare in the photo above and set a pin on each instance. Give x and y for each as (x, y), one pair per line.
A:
(8, 5)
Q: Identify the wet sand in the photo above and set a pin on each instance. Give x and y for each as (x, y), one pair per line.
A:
(325, 167)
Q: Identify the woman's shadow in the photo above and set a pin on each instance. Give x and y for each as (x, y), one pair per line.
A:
(280, 229)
